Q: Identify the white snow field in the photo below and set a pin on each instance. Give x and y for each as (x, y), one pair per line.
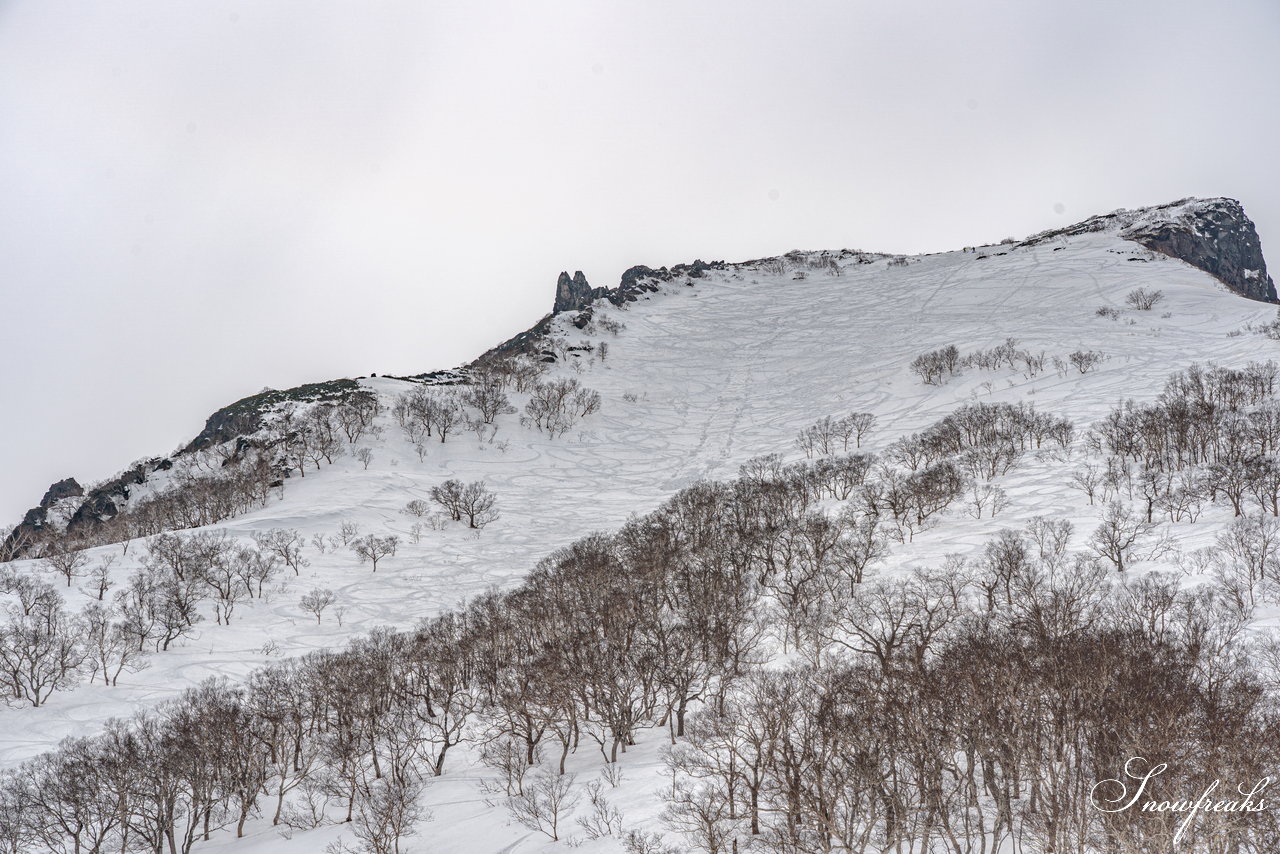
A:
(705, 376)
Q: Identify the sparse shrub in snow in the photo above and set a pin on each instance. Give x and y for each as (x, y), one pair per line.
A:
(512, 758)
(1143, 299)
(1032, 363)
(1051, 538)
(1272, 329)
(110, 649)
(387, 810)
(449, 496)
(1249, 552)
(1005, 354)
(543, 803)
(356, 412)
(485, 433)
(319, 542)
(223, 578)
(1085, 360)
(347, 532)
(365, 456)
(316, 601)
(417, 507)
(1088, 479)
(646, 842)
(604, 819)
(256, 569)
(1108, 312)
(608, 324)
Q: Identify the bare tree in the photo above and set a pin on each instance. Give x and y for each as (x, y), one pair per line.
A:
(224, 577)
(1118, 535)
(285, 544)
(365, 456)
(100, 578)
(1085, 360)
(39, 653)
(110, 649)
(861, 423)
(449, 496)
(316, 601)
(387, 809)
(543, 803)
(347, 532)
(373, 548)
(67, 559)
(476, 503)
(489, 399)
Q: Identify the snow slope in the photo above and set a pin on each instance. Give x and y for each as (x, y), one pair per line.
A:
(705, 375)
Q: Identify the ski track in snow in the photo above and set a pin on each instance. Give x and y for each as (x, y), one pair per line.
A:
(722, 371)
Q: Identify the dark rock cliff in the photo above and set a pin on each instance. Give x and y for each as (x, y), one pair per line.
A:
(574, 294)
(1214, 235)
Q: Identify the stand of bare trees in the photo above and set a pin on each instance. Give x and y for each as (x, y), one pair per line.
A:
(555, 406)
(969, 707)
(961, 708)
(1211, 436)
(43, 648)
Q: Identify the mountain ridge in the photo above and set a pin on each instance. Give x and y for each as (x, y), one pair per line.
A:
(1214, 235)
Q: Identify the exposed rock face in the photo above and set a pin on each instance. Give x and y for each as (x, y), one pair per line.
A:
(1215, 236)
(245, 415)
(67, 488)
(574, 294)
(104, 501)
(37, 517)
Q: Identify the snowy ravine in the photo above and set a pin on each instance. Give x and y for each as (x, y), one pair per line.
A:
(706, 374)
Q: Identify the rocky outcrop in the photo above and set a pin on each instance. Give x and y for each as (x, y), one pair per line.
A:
(1214, 235)
(105, 500)
(37, 517)
(574, 294)
(66, 488)
(244, 417)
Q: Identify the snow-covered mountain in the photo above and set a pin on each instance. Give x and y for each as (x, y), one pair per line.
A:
(699, 369)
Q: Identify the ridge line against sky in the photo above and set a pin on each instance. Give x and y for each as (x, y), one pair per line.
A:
(202, 201)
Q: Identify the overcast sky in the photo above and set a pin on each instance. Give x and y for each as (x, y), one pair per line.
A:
(198, 200)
